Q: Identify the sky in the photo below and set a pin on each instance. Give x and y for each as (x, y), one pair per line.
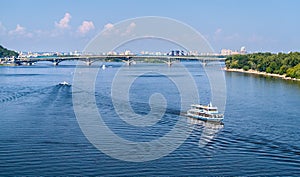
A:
(69, 25)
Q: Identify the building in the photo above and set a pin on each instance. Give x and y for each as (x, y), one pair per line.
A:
(231, 52)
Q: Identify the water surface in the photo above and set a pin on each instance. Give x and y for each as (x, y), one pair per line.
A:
(39, 133)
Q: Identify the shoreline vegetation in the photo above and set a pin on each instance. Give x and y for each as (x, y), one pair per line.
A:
(260, 73)
(281, 65)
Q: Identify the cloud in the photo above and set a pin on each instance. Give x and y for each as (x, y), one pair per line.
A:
(131, 26)
(110, 29)
(218, 31)
(20, 31)
(108, 26)
(64, 22)
(129, 29)
(85, 27)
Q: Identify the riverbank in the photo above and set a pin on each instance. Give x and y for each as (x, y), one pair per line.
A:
(250, 71)
(7, 64)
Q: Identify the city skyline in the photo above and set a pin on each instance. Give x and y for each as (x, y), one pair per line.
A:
(68, 26)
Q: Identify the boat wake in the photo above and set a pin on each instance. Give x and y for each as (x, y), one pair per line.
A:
(210, 129)
(6, 97)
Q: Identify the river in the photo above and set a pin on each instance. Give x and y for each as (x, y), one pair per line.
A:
(40, 135)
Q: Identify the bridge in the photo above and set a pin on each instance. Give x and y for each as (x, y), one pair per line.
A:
(128, 59)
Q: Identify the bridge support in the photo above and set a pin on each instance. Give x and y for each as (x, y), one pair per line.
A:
(89, 62)
(169, 62)
(56, 62)
(128, 62)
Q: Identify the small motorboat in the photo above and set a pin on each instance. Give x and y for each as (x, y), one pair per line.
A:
(64, 83)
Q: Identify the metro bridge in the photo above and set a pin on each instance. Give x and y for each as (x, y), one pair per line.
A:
(128, 59)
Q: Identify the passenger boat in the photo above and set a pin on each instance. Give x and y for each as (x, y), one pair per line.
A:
(205, 112)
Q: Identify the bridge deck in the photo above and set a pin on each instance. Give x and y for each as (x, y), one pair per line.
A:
(92, 58)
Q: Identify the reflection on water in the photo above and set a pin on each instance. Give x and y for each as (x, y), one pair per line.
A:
(209, 130)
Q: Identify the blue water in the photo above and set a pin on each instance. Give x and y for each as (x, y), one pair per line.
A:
(40, 135)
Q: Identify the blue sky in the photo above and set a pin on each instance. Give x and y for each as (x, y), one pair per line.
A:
(68, 25)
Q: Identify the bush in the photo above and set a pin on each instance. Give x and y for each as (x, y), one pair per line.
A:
(246, 68)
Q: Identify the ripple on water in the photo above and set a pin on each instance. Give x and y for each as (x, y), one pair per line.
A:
(39, 134)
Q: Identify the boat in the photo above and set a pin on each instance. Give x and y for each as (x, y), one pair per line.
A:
(205, 113)
(64, 83)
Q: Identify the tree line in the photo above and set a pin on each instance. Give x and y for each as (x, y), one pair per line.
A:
(281, 63)
(7, 53)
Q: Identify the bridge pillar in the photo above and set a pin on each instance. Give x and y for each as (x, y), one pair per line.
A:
(169, 62)
(56, 62)
(128, 62)
(88, 63)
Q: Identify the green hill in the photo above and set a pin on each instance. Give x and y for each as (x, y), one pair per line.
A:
(7, 53)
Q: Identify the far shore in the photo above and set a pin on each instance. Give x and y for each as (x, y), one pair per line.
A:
(250, 71)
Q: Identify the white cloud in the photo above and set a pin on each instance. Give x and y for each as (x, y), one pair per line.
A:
(218, 31)
(108, 26)
(85, 27)
(110, 29)
(132, 25)
(129, 29)
(64, 22)
(20, 31)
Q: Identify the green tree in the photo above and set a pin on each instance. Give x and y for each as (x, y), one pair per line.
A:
(294, 72)
(269, 69)
(283, 69)
(280, 63)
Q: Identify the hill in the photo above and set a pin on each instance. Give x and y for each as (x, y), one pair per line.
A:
(7, 53)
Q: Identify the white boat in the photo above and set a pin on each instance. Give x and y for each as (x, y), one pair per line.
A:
(64, 83)
(205, 112)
